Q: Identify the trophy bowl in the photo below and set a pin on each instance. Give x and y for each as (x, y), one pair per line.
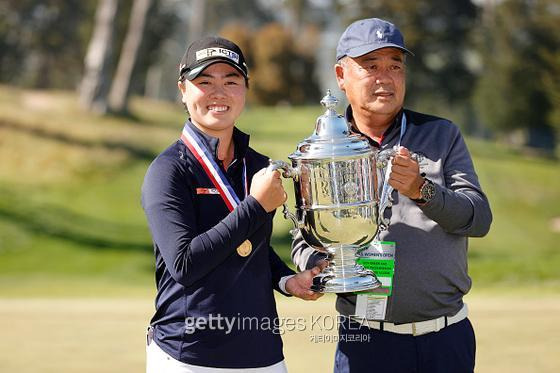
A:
(334, 175)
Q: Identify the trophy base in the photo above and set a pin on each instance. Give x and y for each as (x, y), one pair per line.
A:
(330, 283)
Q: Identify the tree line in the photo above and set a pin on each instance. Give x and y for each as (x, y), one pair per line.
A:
(494, 64)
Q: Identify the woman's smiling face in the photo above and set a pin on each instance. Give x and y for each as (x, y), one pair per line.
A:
(215, 98)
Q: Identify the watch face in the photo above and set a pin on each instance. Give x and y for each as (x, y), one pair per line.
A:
(428, 191)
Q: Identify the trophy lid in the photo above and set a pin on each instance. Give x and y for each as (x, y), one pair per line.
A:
(333, 137)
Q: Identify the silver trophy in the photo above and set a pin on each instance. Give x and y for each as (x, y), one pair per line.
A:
(335, 174)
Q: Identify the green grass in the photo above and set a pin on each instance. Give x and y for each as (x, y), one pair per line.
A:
(70, 215)
(106, 334)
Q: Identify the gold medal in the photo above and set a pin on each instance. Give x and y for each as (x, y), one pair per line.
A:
(245, 248)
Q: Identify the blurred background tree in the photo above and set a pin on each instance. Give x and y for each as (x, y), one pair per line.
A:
(43, 43)
(120, 87)
(96, 80)
(518, 88)
(281, 66)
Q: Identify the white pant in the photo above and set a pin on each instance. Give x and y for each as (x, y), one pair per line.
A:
(158, 361)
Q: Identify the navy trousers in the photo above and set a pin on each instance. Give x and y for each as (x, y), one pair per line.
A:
(361, 349)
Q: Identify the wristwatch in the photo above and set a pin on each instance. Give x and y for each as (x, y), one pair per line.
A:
(427, 192)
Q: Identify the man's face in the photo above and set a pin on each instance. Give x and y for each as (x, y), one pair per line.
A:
(374, 82)
(215, 98)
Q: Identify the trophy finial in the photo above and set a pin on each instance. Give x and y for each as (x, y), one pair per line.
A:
(329, 101)
(331, 125)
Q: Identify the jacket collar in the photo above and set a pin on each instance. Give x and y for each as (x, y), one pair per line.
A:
(240, 141)
(389, 134)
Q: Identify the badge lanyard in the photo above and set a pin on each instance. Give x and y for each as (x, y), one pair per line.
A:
(213, 171)
(379, 257)
(386, 189)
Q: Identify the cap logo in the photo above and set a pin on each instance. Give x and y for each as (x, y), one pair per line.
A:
(217, 52)
(379, 34)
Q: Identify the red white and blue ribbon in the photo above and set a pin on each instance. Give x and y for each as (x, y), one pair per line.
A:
(214, 172)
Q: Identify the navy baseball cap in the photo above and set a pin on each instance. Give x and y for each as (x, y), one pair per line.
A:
(368, 35)
(210, 50)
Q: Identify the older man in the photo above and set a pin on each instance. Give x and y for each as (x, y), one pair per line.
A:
(418, 323)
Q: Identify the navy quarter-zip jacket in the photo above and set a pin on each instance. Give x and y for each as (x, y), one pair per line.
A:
(200, 277)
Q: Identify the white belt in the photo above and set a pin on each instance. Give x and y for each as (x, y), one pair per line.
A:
(417, 328)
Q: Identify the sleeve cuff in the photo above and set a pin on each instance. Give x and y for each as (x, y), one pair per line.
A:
(256, 206)
(436, 204)
(282, 284)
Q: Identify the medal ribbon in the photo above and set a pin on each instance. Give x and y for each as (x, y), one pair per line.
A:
(213, 171)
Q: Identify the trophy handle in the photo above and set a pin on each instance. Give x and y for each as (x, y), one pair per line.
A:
(288, 172)
(383, 162)
(384, 222)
